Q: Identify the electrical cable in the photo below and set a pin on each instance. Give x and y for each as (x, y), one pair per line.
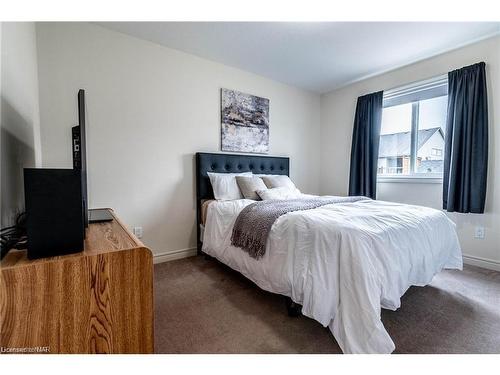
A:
(14, 236)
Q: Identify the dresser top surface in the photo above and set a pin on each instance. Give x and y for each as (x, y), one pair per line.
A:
(100, 238)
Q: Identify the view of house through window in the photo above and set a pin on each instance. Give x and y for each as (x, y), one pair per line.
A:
(431, 127)
(412, 137)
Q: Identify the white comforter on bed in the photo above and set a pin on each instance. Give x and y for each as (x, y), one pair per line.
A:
(343, 262)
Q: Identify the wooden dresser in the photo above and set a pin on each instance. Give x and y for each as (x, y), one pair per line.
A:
(96, 301)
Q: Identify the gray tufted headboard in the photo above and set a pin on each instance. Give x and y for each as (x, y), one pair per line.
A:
(231, 163)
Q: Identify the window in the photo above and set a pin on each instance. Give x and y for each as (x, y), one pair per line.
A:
(437, 152)
(413, 128)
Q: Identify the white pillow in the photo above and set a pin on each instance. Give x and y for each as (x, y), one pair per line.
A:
(225, 186)
(279, 193)
(275, 181)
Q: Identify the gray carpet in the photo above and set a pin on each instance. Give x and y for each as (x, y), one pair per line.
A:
(201, 306)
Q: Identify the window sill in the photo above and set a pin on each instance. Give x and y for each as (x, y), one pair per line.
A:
(409, 179)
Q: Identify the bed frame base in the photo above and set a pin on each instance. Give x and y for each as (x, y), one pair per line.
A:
(294, 309)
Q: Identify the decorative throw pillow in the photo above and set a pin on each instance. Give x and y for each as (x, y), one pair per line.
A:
(224, 185)
(275, 181)
(279, 193)
(250, 185)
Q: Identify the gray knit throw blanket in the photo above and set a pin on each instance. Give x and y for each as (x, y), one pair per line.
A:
(254, 222)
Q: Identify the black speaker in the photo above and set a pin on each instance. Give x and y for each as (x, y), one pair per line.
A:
(54, 211)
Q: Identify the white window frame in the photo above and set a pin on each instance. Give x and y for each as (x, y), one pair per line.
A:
(413, 90)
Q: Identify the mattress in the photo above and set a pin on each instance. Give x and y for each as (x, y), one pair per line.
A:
(204, 206)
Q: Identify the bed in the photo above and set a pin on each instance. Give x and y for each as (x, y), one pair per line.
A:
(341, 262)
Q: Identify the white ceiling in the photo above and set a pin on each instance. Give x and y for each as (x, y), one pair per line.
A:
(314, 56)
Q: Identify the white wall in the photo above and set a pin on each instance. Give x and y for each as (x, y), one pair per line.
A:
(337, 115)
(20, 123)
(149, 109)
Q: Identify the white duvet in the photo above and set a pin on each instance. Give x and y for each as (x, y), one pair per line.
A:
(343, 262)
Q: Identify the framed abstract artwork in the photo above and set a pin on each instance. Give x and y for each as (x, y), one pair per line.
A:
(245, 122)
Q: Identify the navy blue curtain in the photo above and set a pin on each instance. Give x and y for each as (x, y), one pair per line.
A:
(466, 141)
(365, 142)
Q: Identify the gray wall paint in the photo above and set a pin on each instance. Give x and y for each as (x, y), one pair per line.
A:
(149, 109)
(20, 123)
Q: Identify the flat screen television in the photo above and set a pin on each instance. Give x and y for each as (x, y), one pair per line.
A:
(79, 147)
(80, 152)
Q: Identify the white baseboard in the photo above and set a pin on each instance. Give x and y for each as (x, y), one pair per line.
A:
(482, 262)
(189, 252)
(172, 255)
